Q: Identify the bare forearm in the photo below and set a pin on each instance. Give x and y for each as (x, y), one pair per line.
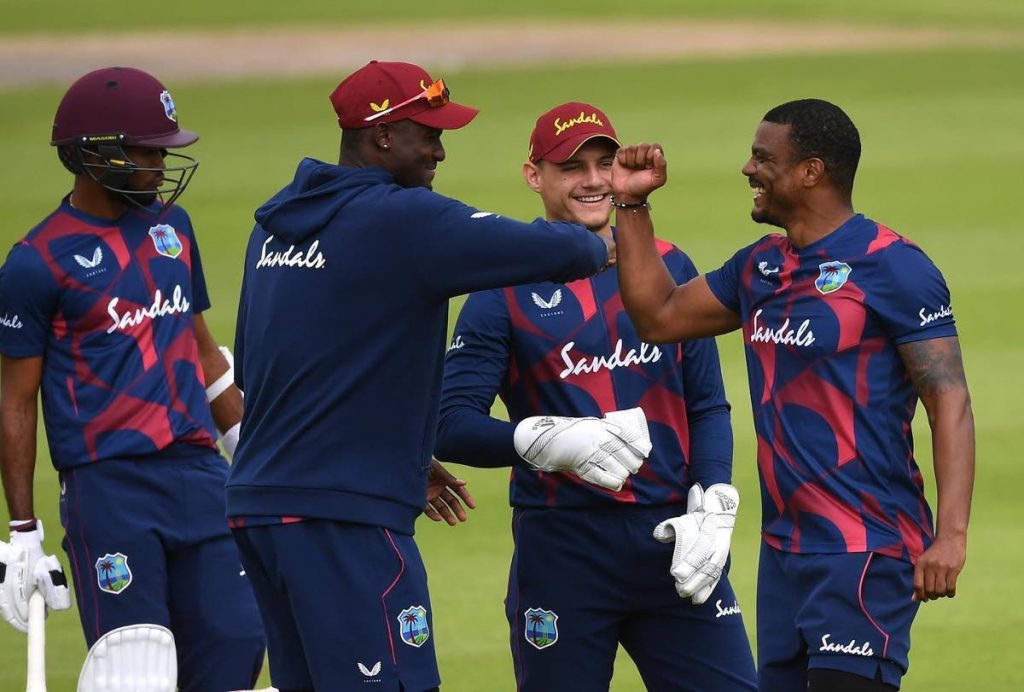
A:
(936, 370)
(18, 447)
(952, 423)
(226, 405)
(227, 408)
(644, 279)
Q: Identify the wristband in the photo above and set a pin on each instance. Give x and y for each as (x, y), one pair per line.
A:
(23, 525)
(633, 207)
(221, 385)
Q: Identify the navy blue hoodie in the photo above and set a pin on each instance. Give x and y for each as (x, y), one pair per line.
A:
(342, 331)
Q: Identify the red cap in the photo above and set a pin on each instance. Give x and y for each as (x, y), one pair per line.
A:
(377, 86)
(120, 100)
(561, 131)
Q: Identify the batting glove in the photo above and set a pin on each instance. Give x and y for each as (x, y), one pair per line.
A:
(702, 537)
(601, 451)
(24, 568)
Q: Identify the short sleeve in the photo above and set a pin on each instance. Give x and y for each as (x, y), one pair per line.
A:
(29, 296)
(726, 281)
(910, 297)
(680, 265)
(200, 297)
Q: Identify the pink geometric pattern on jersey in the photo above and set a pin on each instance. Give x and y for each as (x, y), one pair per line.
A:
(765, 465)
(886, 237)
(848, 307)
(117, 245)
(584, 293)
(869, 348)
(129, 413)
(663, 246)
(817, 394)
(83, 320)
(810, 498)
(911, 532)
(59, 327)
(518, 317)
(594, 320)
(611, 308)
(827, 387)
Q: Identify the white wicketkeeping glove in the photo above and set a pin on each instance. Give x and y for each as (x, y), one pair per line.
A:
(24, 568)
(602, 451)
(702, 537)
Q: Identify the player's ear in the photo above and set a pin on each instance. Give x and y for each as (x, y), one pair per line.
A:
(382, 136)
(812, 170)
(531, 174)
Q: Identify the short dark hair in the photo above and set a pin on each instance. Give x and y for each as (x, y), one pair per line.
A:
(821, 130)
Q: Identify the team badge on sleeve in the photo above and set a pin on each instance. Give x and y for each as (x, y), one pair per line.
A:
(413, 626)
(541, 627)
(832, 276)
(112, 573)
(165, 240)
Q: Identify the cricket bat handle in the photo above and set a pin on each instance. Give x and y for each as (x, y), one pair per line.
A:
(35, 680)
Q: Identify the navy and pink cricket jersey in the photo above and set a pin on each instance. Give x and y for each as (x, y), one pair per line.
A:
(832, 401)
(110, 306)
(571, 350)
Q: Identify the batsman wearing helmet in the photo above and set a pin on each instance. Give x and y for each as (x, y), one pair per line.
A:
(340, 342)
(101, 306)
(593, 563)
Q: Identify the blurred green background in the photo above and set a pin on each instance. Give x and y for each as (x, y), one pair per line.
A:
(943, 135)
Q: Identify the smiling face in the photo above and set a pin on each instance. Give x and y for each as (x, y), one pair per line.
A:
(414, 152)
(579, 188)
(774, 175)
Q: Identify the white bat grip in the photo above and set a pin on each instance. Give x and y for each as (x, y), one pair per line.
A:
(35, 680)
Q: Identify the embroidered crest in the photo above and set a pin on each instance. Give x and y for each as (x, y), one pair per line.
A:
(541, 627)
(112, 573)
(165, 98)
(832, 276)
(165, 240)
(413, 626)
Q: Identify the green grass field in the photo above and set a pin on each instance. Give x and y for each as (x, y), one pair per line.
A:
(943, 141)
(66, 16)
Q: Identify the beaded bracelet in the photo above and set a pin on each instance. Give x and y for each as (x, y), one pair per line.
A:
(634, 207)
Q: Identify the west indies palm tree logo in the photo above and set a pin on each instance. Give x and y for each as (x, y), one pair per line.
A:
(541, 627)
(112, 573)
(165, 98)
(413, 624)
(165, 240)
(832, 276)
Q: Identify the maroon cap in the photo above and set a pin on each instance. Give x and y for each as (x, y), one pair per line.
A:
(383, 87)
(561, 131)
(120, 100)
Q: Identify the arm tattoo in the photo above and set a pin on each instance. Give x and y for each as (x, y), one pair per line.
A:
(934, 365)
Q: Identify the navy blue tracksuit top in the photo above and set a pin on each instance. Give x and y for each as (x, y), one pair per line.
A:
(341, 335)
